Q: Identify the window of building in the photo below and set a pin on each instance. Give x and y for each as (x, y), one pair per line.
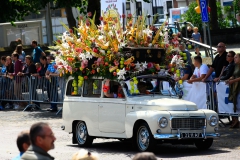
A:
(139, 8)
(169, 5)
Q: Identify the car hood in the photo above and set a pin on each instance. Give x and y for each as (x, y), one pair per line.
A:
(163, 104)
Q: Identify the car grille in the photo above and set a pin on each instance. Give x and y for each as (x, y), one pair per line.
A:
(188, 123)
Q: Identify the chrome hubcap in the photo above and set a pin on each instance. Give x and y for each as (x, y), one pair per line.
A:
(81, 133)
(143, 138)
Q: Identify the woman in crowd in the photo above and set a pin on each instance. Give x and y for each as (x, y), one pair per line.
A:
(28, 70)
(20, 52)
(228, 71)
(8, 90)
(234, 94)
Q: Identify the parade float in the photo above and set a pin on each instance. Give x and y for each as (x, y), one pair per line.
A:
(113, 51)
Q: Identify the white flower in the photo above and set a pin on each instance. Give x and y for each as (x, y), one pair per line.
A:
(178, 61)
(121, 74)
(148, 32)
(102, 51)
(82, 55)
(137, 65)
(144, 65)
(88, 56)
(66, 45)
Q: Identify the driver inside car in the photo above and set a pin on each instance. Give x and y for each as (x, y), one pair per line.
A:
(117, 91)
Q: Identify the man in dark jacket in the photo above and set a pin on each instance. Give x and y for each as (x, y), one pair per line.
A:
(42, 140)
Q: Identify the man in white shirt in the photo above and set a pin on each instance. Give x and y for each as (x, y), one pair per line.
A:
(200, 70)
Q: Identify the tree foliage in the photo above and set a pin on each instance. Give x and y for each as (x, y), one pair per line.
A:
(192, 16)
(16, 10)
(236, 4)
(13, 10)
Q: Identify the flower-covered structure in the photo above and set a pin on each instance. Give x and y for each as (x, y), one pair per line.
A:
(97, 51)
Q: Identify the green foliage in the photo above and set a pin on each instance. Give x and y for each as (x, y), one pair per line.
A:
(226, 17)
(236, 4)
(192, 16)
(222, 23)
(16, 10)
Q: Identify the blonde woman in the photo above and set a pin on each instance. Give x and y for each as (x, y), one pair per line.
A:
(21, 53)
(234, 94)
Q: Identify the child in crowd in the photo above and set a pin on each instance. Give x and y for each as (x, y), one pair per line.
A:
(38, 67)
(196, 36)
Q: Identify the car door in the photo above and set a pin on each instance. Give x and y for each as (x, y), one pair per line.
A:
(112, 115)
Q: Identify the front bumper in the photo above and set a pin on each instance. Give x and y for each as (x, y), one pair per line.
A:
(177, 136)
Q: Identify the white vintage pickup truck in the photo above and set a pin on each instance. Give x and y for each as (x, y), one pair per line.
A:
(147, 118)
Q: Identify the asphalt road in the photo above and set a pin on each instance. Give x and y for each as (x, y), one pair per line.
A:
(13, 122)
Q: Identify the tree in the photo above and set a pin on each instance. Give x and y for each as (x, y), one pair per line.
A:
(13, 10)
(213, 14)
(192, 16)
(16, 10)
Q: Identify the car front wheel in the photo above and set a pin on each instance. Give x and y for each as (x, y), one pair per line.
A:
(82, 137)
(204, 144)
(144, 140)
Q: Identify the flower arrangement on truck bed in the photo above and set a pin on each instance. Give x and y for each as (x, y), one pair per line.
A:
(97, 51)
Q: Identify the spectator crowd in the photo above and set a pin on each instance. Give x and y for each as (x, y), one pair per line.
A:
(17, 67)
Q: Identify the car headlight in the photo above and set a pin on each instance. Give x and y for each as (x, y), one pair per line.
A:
(213, 120)
(162, 122)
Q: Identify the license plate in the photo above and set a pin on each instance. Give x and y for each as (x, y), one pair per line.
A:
(191, 135)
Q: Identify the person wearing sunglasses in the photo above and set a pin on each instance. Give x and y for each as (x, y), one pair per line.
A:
(228, 71)
(219, 62)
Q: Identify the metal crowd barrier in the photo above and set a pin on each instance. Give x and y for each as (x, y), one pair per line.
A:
(12, 88)
(31, 91)
(212, 102)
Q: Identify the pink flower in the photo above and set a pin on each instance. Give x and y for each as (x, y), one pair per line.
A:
(89, 14)
(78, 50)
(81, 17)
(116, 63)
(98, 61)
(150, 65)
(129, 15)
(84, 63)
(87, 23)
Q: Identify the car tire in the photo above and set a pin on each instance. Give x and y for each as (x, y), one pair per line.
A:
(143, 139)
(82, 137)
(204, 144)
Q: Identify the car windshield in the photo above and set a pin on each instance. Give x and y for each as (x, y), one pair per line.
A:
(150, 86)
